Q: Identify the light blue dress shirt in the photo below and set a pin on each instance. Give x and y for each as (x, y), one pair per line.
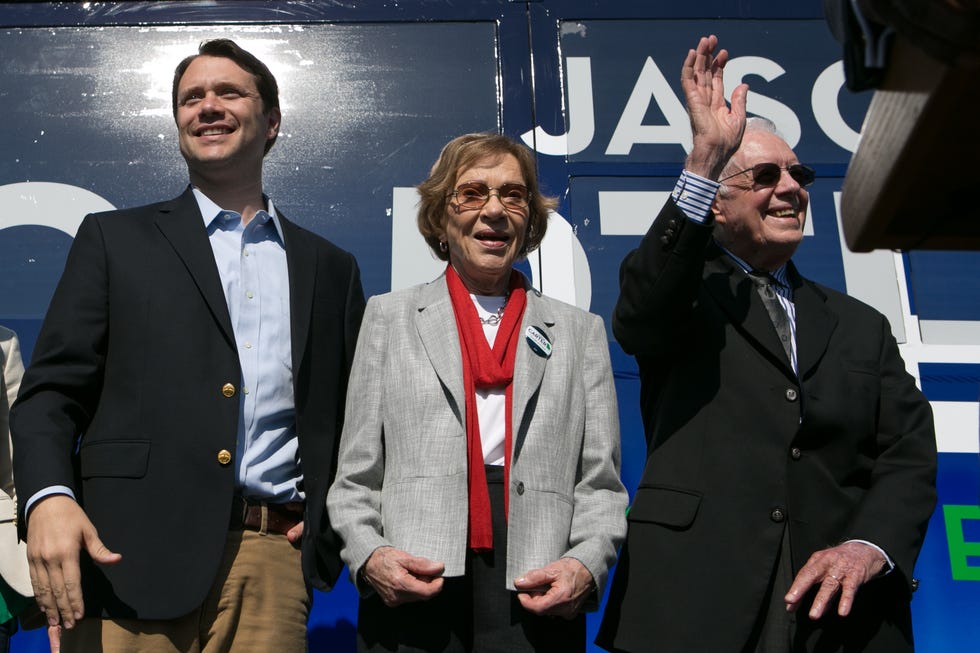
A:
(252, 265)
(251, 262)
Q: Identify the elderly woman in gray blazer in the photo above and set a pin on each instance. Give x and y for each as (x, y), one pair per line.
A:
(478, 491)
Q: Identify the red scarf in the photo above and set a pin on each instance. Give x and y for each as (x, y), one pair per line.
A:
(485, 368)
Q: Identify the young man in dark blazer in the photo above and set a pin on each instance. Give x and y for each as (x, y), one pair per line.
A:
(791, 458)
(199, 348)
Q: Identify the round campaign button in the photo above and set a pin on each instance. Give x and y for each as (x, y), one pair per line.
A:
(538, 341)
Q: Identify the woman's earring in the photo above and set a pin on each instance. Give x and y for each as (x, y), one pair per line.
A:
(443, 247)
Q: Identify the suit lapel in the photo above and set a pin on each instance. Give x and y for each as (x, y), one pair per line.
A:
(182, 225)
(737, 296)
(529, 367)
(301, 262)
(436, 325)
(815, 323)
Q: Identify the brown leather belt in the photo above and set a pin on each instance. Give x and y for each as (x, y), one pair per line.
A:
(247, 514)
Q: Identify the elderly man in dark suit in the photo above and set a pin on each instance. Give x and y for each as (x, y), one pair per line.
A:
(199, 348)
(791, 458)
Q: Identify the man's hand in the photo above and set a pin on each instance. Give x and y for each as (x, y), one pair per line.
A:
(54, 639)
(843, 568)
(558, 589)
(399, 577)
(717, 130)
(57, 529)
(295, 535)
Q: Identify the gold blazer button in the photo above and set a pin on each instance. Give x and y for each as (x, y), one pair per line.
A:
(228, 390)
(224, 456)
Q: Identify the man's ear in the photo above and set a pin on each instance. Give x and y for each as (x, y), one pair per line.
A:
(717, 212)
(275, 120)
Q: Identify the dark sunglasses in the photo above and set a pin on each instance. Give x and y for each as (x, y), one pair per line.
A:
(767, 174)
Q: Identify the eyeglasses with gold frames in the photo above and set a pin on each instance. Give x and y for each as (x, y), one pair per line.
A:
(475, 195)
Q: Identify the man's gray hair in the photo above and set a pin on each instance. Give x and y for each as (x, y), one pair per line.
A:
(760, 124)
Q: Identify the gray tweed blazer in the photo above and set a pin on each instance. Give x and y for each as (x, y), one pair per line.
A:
(401, 478)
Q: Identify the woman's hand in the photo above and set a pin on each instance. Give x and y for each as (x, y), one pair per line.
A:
(558, 589)
(399, 577)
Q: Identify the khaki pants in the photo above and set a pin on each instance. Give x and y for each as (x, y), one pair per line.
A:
(259, 603)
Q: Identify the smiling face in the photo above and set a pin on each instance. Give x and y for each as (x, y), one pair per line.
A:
(221, 124)
(762, 225)
(484, 243)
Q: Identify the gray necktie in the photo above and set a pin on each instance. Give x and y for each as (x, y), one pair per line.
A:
(764, 283)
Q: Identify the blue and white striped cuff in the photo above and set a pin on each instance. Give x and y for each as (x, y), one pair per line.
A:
(694, 195)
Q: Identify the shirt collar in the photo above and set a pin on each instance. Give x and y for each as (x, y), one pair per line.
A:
(779, 275)
(210, 211)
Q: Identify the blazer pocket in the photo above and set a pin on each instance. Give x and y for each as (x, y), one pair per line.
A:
(861, 366)
(667, 506)
(115, 458)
